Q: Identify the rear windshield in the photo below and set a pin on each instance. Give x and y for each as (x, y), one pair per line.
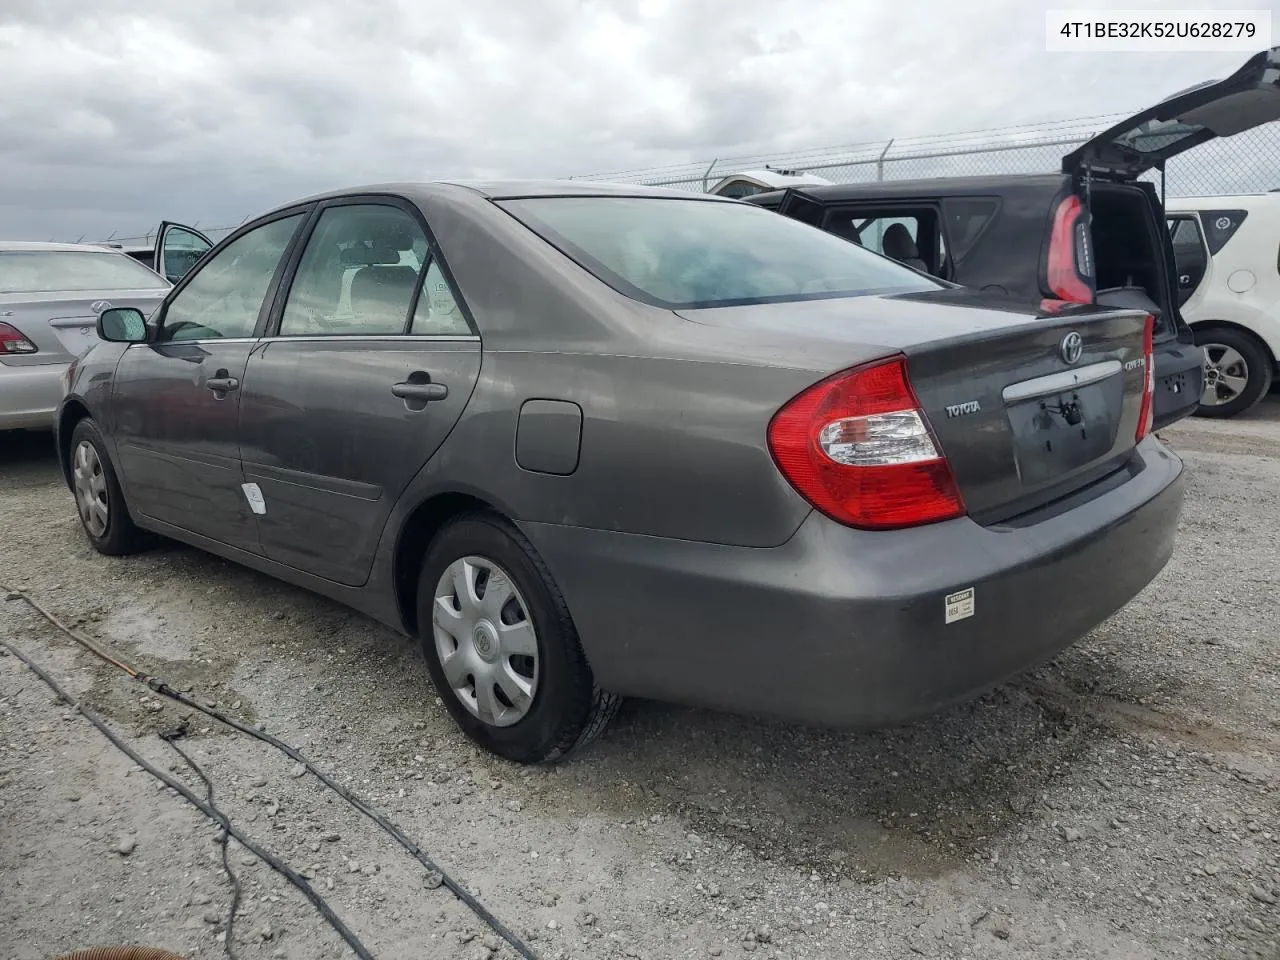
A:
(53, 271)
(678, 253)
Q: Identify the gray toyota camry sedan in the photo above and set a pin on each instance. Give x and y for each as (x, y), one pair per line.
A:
(592, 441)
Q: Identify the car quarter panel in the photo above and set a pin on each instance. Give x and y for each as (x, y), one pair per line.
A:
(674, 414)
(847, 627)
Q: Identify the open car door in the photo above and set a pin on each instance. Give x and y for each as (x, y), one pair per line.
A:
(1248, 98)
(178, 249)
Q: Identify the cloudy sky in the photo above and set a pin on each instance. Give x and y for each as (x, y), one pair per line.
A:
(118, 113)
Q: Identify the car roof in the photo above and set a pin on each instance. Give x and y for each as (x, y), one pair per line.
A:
(927, 187)
(35, 246)
(509, 189)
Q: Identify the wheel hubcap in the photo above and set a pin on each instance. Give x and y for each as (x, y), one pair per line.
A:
(1226, 374)
(486, 643)
(91, 488)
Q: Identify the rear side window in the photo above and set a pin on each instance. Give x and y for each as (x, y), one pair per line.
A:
(966, 218)
(677, 253)
(357, 275)
(1220, 226)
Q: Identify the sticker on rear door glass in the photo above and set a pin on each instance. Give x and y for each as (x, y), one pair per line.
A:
(959, 605)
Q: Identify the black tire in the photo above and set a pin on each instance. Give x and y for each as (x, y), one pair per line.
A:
(1255, 357)
(567, 710)
(120, 536)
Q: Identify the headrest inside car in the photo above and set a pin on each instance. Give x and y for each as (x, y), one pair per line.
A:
(365, 255)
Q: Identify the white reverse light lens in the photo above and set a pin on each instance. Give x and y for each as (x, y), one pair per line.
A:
(880, 440)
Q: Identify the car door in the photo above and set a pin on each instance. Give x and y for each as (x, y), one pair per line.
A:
(1189, 253)
(370, 364)
(178, 249)
(175, 399)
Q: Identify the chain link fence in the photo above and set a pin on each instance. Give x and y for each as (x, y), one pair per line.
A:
(1246, 163)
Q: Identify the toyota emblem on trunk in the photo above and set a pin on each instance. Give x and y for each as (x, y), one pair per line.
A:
(1071, 347)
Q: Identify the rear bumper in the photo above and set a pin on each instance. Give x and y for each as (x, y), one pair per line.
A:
(29, 395)
(846, 628)
(1179, 381)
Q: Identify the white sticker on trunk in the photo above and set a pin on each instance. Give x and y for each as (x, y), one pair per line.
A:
(959, 605)
(258, 503)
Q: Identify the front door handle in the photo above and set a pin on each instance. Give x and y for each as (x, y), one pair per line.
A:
(222, 384)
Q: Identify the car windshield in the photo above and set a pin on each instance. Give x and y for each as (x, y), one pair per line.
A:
(49, 271)
(679, 253)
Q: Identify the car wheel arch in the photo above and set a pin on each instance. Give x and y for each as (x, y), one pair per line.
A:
(72, 412)
(415, 535)
(1204, 326)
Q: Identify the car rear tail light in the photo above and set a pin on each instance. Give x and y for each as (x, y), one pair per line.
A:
(1070, 257)
(858, 447)
(1147, 414)
(12, 341)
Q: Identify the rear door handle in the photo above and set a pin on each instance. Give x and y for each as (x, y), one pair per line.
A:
(423, 392)
(222, 384)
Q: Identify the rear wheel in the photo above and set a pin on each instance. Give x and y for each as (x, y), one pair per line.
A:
(99, 500)
(500, 645)
(1237, 372)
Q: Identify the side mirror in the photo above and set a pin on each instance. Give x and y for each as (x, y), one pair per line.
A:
(122, 325)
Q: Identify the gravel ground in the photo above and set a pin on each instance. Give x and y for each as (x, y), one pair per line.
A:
(1122, 802)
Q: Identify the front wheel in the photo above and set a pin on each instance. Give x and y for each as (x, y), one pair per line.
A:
(1237, 371)
(99, 500)
(501, 647)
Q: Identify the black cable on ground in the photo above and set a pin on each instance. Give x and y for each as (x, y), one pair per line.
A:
(171, 737)
(181, 788)
(160, 687)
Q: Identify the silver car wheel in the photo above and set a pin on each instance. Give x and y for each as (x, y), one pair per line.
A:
(91, 489)
(486, 642)
(1226, 374)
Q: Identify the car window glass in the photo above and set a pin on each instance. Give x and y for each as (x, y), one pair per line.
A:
(966, 218)
(438, 313)
(1184, 232)
(357, 274)
(182, 250)
(872, 233)
(224, 296)
(691, 253)
(48, 271)
(1220, 226)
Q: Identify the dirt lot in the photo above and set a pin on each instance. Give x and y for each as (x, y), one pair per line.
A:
(1122, 802)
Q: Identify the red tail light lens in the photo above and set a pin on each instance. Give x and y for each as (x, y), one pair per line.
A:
(858, 447)
(12, 340)
(1069, 254)
(1147, 416)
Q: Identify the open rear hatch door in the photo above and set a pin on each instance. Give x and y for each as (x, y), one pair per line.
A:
(1248, 98)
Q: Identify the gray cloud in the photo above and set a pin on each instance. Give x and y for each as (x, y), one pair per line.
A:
(118, 114)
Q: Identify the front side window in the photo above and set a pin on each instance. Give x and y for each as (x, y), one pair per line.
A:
(55, 271)
(181, 250)
(357, 275)
(678, 253)
(224, 297)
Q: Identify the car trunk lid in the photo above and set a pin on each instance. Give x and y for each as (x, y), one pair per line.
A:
(62, 325)
(1248, 98)
(1027, 406)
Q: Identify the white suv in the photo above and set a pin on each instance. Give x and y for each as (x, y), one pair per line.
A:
(1228, 254)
